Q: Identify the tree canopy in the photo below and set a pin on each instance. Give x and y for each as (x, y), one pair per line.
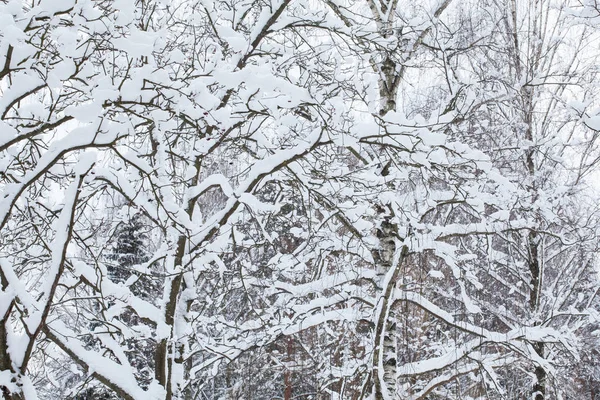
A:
(277, 199)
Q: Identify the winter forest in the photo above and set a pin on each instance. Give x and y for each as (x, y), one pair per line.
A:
(299, 199)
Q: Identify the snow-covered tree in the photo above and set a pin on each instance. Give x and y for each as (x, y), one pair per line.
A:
(295, 199)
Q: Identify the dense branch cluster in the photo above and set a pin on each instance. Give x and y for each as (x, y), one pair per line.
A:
(293, 199)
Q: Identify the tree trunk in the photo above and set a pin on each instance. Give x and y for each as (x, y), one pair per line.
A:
(539, 388)
(287, 375)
